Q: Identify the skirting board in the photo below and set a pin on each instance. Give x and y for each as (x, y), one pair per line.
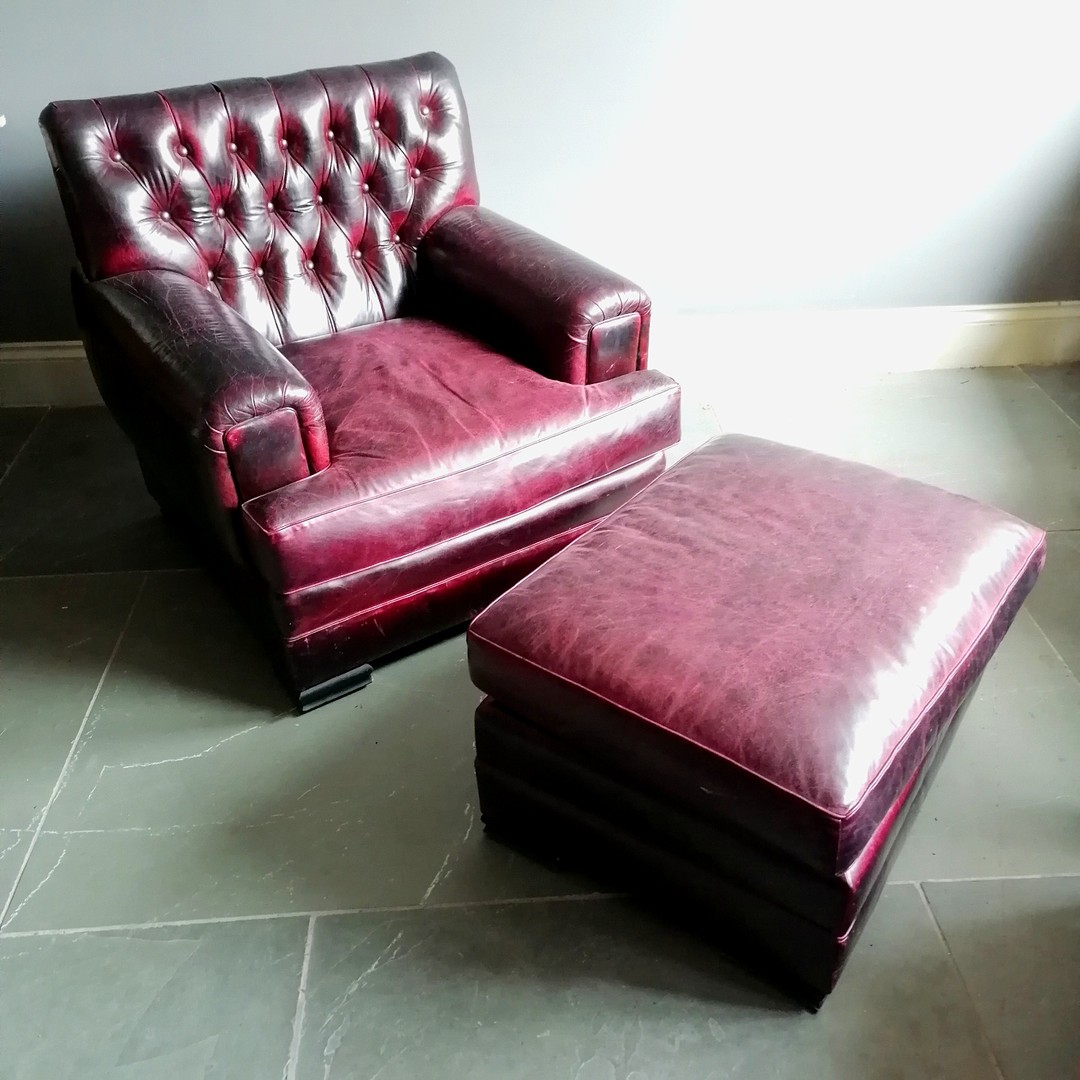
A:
(831, 344)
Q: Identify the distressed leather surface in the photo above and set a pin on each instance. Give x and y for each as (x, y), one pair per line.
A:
(433, 436)
(196, 360)
(374, 612)
(297, 200)
(321, 605)
(534, 299)
(805, 630)
(301, 394)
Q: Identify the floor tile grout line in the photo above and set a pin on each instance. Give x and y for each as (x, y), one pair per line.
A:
(26, 442)
(988, 877)
(1049, 397)
(450, 905)
(98, 573)
(398, 909)
(963, 982)
(292, 1063)
(70, 755)
(1054, 649)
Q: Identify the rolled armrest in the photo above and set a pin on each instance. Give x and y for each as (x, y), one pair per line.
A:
(255, 416)
(532, 298)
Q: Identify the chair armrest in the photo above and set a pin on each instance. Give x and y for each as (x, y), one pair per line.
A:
(540, 302)
(256, 417)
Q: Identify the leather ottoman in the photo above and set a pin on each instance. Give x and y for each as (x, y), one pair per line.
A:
(731, 695)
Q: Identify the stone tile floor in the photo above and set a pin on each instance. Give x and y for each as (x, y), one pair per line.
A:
(195, 883)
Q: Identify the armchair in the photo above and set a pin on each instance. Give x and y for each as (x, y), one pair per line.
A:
(375, 403)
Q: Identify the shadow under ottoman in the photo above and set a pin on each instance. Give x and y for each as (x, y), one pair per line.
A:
(732, 694)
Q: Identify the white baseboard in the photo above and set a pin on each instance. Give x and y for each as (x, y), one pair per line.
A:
(838, 345)
(849, 345)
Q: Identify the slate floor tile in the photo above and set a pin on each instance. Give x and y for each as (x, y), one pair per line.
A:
(74, 502)
(1017, 944)
(168, 1003)
(598, 990)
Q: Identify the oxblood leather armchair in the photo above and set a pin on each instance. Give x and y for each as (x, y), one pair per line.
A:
(378, 403)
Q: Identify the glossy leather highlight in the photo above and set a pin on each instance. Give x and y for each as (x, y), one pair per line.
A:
(771, 697)
(299, 393)
(445, 423)
(536, 300)
(298, 201)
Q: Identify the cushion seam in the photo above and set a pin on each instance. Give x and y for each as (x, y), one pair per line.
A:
(277, 530)
(436, 584)
(479, 528)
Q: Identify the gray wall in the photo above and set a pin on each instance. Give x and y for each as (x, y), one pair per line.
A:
(768, 155)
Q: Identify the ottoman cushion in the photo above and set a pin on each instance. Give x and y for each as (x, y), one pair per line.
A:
(765, 637)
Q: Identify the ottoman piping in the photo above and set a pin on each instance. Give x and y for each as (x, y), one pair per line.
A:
(1033, 552)
(831, 813)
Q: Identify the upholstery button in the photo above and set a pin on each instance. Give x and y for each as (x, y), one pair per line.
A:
(220, 211)
(375, 124)
(165, 215)
(259, 271)
(183, 151)
(424, 110)
(270, 207)
(117, 156)
(285, 143)
(397, 239)
(319, 199)
(415, 172)
(310, 264)
(330, 135)
(358, 254)
(232, 147)
(209, 275)
(365, 186)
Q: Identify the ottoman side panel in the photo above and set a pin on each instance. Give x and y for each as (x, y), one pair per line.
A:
(651, 755)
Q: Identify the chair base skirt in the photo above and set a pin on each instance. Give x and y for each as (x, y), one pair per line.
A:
(318, 658)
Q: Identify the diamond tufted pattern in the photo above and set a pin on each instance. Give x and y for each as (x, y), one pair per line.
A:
(376, 405)
(298, 200)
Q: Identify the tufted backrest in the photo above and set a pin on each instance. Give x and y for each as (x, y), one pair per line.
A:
(298, 200)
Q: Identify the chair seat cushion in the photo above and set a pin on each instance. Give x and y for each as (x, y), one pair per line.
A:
(772, 639)
(434, 436)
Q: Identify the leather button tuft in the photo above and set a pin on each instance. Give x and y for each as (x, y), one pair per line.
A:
(285, 144)
(424, 110)
(310, 264)
(330, 136)
(165, 215)
(375, 124)
(209, 275)
(259, 271)
(232, 147)
(183, 151)
(365, 186)
(358, 254)
(397, 239)
(270, 207)
(415, 172)
(220, 211)
(117, 156)
(319, 199)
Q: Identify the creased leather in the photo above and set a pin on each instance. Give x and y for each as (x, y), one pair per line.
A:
(538, 301)
(807, 628)
(433, 436)
(205, 367)
(251, 305)
(298, 200)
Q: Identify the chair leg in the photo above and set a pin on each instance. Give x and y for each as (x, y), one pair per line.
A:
(311, 697)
